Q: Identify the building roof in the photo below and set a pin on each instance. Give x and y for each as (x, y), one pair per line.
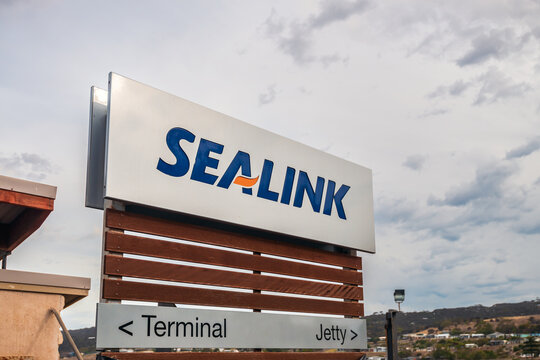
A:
(73, 288)
(24, 206)
(27, 187)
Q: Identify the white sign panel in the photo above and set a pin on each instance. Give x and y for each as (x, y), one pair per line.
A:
(167, 152)
(130, 326)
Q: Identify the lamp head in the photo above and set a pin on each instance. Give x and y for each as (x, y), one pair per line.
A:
(399, 295)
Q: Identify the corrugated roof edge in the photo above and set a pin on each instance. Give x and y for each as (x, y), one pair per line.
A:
(27, 187)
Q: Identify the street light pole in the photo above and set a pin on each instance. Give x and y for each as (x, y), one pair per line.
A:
(391, 340)
(390, 326)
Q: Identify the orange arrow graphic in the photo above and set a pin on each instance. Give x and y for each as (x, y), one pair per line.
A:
(245, 181)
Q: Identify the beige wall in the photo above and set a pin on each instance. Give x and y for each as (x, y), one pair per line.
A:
(26, 325)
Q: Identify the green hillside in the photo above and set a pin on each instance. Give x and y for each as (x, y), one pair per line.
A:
(415, 321)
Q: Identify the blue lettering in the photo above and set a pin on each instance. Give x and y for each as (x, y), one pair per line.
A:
(203, 160)
(241, 161)
(304, 185)
(266, 175)
(287, 186)
(335, 198)
(181, 167)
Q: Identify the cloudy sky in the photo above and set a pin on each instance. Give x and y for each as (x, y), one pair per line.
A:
(439, 98)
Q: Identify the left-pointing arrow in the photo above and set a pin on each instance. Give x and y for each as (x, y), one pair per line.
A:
(123, 328)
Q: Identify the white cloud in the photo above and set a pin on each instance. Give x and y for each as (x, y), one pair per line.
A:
(415, 162)
(489, 87)
(268, 96)
(487, 184)
(455, 89)
(524, 150)
(495, 43)
(26, 165)
(497, 86)
(295, 38)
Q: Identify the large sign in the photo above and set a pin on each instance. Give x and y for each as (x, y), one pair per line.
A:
(130, 326)
(166, 152)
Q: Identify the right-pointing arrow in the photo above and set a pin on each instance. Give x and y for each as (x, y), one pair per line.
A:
(123, 328)
(355, 334)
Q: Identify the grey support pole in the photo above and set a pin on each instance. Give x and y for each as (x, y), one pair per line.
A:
(4, 259)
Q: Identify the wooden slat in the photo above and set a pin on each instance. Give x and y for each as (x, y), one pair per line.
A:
(236, 356)
(154, 226)
(129, 290)
(351, 270)
(26, 200)
(121, 266)
(137, 245)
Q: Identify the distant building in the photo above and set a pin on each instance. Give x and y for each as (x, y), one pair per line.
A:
(471, 346)
(464, 336)
(478, 336)
(514, 340)
(442, 336)
(495, 335)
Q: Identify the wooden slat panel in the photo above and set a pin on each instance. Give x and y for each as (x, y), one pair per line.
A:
(154, 226)
(121, 266)
(128, 290)
(237, 356)
(137, 245)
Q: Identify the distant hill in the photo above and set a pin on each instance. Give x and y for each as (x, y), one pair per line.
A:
(85, 339)
(406, 322)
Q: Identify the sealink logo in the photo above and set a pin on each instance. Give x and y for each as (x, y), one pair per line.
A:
(206, 157)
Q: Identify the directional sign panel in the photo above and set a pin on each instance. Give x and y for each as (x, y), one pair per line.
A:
(130, 326)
